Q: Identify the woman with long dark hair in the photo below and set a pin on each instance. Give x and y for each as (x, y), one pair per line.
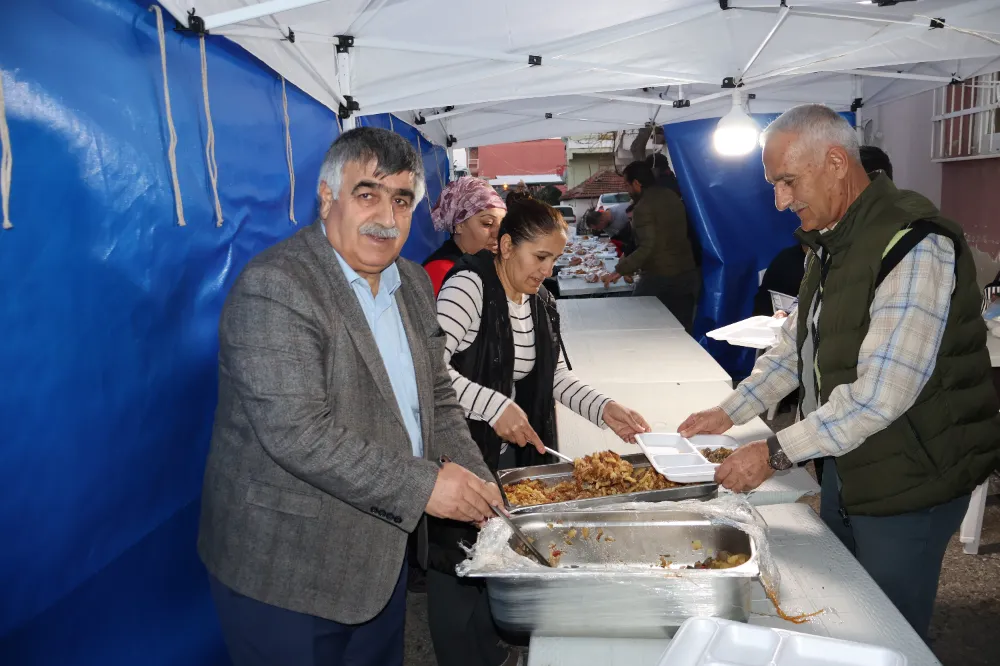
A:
(502, 341)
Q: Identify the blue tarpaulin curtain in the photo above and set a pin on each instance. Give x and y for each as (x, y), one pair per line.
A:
(109, 312)
(731, 207)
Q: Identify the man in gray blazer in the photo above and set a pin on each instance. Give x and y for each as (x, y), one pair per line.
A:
(335, 420)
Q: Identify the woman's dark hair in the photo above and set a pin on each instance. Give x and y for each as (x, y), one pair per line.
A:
(529, 218)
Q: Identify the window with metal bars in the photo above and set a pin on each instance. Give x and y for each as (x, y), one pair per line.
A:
(966, 122)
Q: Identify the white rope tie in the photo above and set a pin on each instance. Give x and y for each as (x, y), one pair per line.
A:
(172, 148)
(288, 154)
(213, 167)
(6, 162)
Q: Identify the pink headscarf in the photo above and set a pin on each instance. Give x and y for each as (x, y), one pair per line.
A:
(461, 199)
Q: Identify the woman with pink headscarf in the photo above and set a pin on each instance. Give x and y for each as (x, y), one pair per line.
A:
(471, 211)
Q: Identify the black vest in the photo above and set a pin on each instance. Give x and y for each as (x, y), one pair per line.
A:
(489, 361)
(448, 250)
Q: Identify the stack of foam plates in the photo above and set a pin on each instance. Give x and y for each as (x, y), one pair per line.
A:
(681, 459)
(709, 641)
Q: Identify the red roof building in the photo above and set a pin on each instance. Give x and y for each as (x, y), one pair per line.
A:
(602, 182)
(526, 158)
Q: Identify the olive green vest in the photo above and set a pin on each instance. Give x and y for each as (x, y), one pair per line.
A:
(949, 441)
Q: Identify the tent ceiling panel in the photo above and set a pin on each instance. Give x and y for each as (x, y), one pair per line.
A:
(597, 57)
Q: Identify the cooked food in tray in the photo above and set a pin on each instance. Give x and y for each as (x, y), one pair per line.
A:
(717, 455)
(597, 475)
(722, 560)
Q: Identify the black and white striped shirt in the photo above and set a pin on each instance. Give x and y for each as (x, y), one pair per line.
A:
(460, 310)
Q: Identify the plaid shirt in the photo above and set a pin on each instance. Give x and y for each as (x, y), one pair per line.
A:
(896, 359)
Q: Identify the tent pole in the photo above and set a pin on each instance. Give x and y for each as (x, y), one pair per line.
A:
(892, 75)
(344, 83)
(890, 34)
(859, 125)
(255, 11)
(782, 15)
(458, 112)
(522, 58)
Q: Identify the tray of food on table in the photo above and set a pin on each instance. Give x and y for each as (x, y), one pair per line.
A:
(599, 479)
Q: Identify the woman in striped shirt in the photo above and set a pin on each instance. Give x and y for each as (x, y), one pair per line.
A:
(503, 347)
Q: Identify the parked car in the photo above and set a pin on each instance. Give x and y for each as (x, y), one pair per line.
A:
(568, 214)
(605, 201)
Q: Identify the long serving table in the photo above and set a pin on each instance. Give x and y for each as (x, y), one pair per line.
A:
(641, 356)
(817, 573)
(621, 314)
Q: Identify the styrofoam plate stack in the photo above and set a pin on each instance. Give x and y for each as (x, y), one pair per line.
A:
(709, 641)
(680, 459)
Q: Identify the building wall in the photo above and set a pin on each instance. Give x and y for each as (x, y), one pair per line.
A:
(547, 156)
(970, 193)
(903, 131)
(581, 206)
(967, 191)
(584, 165)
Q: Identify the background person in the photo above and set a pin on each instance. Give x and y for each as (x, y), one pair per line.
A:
(470, 210)
(662, 248)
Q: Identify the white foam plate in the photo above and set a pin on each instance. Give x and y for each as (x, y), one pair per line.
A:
(757, 332)
(680, 459)
(709, 641)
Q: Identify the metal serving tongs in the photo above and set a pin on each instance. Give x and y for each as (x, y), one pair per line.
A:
(550, 451)
(521, 536)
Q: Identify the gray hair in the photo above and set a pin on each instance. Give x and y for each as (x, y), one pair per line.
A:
(392, 154)
(817, 123)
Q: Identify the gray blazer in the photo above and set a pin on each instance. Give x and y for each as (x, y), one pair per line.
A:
(311, 486)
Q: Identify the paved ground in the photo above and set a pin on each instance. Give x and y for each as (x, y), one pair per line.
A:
(966, 626)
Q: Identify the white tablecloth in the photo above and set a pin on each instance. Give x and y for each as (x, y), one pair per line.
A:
(618, 314)
(993, 343)
(641, 355)
(817, 572)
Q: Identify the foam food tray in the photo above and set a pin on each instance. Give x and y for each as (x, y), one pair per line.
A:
(709, 641)
(680, 459)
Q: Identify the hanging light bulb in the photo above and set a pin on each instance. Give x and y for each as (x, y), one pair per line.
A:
(737, 133)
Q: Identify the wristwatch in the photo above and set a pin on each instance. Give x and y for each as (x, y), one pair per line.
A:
(776, 457)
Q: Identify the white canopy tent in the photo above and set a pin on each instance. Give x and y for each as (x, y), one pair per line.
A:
(475, 73)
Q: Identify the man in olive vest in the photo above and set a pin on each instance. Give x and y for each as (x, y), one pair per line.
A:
(889, 349)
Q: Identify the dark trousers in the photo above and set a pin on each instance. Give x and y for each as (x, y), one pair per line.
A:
(258, 634)
(678, 293)
(462, 629)
(902, 553)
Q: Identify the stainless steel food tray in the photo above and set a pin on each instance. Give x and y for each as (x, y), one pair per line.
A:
(619, 587)
(552, 474)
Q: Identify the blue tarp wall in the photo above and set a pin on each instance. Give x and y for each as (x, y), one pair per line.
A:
(732, 208)
(108, 316)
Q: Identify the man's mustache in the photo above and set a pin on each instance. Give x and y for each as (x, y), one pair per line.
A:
(377, 230)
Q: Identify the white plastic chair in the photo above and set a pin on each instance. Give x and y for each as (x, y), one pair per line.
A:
(972, 525)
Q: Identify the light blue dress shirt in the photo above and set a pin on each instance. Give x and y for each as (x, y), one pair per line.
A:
(386, 324)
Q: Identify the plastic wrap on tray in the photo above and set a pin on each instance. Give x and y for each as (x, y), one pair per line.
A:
(628, 599)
